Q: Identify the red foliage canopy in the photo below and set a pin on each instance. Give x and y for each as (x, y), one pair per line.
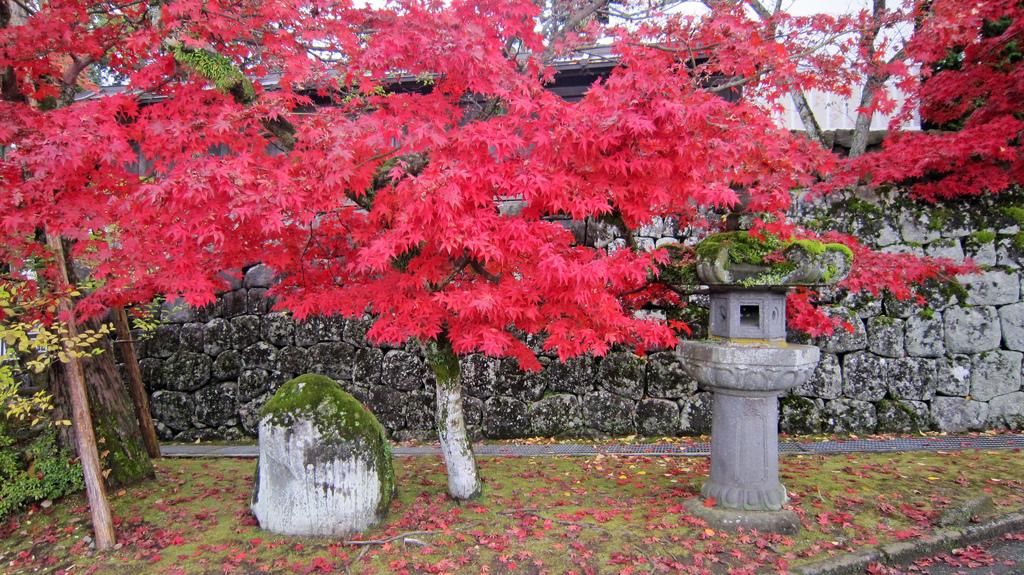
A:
(428, 250)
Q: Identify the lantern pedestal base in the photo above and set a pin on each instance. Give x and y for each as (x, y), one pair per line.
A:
(784, 522)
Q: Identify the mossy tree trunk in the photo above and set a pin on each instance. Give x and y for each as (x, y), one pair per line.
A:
(459, 462)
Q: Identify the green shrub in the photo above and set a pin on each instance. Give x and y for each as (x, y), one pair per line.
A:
(34, 470)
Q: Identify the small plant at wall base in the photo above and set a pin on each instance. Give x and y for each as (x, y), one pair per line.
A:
(33, 468)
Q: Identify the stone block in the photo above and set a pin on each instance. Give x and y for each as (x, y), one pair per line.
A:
(253, 383)
(885, 235)
(981, 253)
(152, 373)
(293, 360)
(800, 415)
(1007, 411)
(192, 337)
(355, 330)
(609, 413)
(260, 355)
(945, 248)
(971, 329)
(479, 374)
(923, 336)
(325, 466)
(505, 418)
(657, 417)
(249, 415)
(957, 414)
(995, 373)
(666, 377)
(231, 304)
(278, 329)
(162, 342)
(333, 359)
(622, 373)
(368, 368)
(911, 250)
(1011, 321)
(420, 413)
(827, 380)
(900, 416)
(318, 328)
(917, 227)
(954, 376)
(186, 371)
(218, 336)
(472, 413)
(226, 366)
(555, 415)
(994, 287)
(404, 371)
(257, 302)
(910, 378)
(864, 377)
(388, 405)
(850, 416)
(245, 331)
(885, 336)
(173, 409)
(575, 376)
(259, 276)
(526, 386)
(695, 414)
(842, 340)
(1007, 253)
(215, 404)
(864, 305)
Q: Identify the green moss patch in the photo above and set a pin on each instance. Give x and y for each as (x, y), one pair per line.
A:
(744, 248)
(546, 514)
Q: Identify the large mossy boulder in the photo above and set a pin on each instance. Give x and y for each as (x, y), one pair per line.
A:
(325, 464)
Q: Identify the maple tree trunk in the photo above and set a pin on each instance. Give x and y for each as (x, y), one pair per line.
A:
(862, 125)
(803, 109)
(459, 462)
(85, 439)
(873, 82)
(135, 386)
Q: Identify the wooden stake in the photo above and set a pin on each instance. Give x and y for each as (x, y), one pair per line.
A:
(81, 418)
(135, 385)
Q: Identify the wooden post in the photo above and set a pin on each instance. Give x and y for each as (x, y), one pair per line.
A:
(135, 385)
(81, 417)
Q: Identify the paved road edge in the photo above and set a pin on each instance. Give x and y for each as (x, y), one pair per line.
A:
(906, 552)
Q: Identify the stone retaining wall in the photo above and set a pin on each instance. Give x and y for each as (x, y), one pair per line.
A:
(947, 365)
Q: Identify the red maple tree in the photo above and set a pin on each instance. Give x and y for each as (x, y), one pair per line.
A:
(358, 151)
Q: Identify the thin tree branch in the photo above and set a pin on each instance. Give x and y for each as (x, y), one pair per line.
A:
(479, 268)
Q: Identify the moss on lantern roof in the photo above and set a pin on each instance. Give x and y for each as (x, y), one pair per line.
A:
(744, 248)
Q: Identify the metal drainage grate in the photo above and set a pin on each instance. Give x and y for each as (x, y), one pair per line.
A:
(938, 443)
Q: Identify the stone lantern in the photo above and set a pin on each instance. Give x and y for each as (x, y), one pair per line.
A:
(747, 363)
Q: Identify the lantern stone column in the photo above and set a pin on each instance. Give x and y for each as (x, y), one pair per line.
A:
(746, 379)
(747, 363)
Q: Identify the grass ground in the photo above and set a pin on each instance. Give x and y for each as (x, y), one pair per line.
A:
(543, 515)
